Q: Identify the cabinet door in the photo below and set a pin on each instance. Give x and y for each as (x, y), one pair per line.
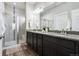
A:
(27, 36)
(62, 51)
(39, 45)
(34, 42)
(46, 48)
(67, 52)
(66, 43)
(53, 48)
(29, 39)
(77, 48)
(49, 49)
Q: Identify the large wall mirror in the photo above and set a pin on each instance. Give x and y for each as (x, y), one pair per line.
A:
(59, 19)
(75, 20)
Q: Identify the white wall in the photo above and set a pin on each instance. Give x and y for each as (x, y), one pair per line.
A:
(1, 23)
(29, 15)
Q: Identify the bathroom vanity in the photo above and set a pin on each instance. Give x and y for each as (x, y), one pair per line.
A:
(53, 44)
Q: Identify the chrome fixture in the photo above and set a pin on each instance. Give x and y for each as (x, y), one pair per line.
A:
(14, 4)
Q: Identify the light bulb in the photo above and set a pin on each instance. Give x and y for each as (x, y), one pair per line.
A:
(14, 3)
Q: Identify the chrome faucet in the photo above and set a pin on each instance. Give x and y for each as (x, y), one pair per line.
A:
(62, 31)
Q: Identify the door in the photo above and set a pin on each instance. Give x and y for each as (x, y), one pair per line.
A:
(9, 33)
(21, 29)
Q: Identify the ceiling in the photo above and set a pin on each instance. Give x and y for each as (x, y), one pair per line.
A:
(40, 4)
(32, 3)
(20, 5)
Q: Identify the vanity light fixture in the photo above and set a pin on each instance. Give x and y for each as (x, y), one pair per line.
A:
(14, 3)
(38, 10)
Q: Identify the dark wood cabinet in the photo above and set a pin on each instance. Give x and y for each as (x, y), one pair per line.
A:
(53, 46)
(70, 44)
(46, 45)
(29, 39)
(34, 40)
(62, 51)
(49, 48)
(77, 49)
(39, 45)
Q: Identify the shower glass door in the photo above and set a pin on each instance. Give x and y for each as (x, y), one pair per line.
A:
(21, 29)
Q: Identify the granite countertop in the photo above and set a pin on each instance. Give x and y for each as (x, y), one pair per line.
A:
(67, 36)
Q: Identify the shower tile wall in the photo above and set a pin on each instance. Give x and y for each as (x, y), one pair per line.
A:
(9, 34)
